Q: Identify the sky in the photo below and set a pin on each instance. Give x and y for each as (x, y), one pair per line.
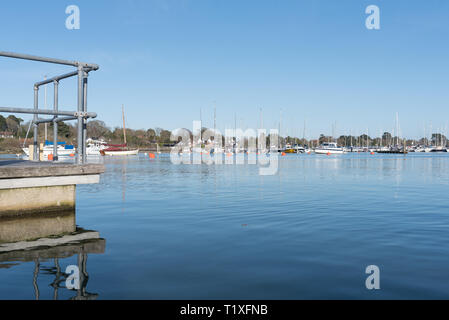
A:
(301, 61)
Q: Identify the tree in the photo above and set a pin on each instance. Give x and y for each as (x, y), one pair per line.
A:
(3, 125)
(97, 129)
(438, 139)
(151, 135)
(13, 124)
(165, 136)
(386, 138)
(64, 130)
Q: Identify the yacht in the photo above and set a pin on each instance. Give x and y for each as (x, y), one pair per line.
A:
(288, 149)
(439, 149)
(120, 149)
(64, 150)
(94, 147)
(329, 148)
(299, 148)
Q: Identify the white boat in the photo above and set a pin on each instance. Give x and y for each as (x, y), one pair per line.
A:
(119, 152)
(329, 148)
(94, 147)
(299, 149)
(420, 149)
(439, 149)
(64, 150)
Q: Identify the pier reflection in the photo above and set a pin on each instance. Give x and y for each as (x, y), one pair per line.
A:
(47, 255)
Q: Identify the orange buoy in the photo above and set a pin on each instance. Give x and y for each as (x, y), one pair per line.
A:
(152, 155)
(372, 153)
(309, 152)
(328, 153)
(229, 154)
(50, 157)
(284, 154)
(72, 155)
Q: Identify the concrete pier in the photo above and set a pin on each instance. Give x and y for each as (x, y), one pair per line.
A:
(38, 199)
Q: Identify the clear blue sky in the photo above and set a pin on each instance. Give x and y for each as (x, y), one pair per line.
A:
(313, 59)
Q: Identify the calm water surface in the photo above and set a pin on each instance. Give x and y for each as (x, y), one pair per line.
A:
(224, 232)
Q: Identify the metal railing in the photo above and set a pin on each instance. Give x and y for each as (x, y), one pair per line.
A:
(81, 115)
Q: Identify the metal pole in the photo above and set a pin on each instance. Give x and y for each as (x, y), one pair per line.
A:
(85, 119)
(47, 112)
(57, 78)
(49, 60)
(45, 107)
(35, 275)
(55, 124)
(36, 106)
(80, 118)
(58, 119)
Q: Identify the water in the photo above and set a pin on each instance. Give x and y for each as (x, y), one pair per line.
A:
(224, 232)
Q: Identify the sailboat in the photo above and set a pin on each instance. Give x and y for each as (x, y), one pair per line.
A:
(120, 149)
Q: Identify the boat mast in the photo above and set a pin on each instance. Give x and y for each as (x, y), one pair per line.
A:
(124, 129)
(215, 126)
(304, 134)
(397, 129)
(45, 106)
(261, 134)
(235, 132)
(367, 138)
(350, 135)
(280, 123)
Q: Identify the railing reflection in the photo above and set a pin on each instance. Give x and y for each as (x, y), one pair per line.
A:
(81, 243)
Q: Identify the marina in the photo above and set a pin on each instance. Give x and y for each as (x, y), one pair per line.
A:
(230, 159)
(141, 197)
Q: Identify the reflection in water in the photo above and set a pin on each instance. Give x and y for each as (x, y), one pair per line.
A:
(235, 233)
(80, 244)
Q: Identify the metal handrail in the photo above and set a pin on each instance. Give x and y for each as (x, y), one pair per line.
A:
(81, 115)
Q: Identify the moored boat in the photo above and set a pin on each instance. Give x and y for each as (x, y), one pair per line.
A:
(94, 147)
(63, 149)
(118, 152)
(119, 149)
(329, 148)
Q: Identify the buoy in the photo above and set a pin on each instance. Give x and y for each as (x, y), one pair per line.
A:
(50, 157)
(372, 153)
(309, 152)
(328, 153)
(283, 154)
(229, 154)
(72, 155)
(151, 155)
